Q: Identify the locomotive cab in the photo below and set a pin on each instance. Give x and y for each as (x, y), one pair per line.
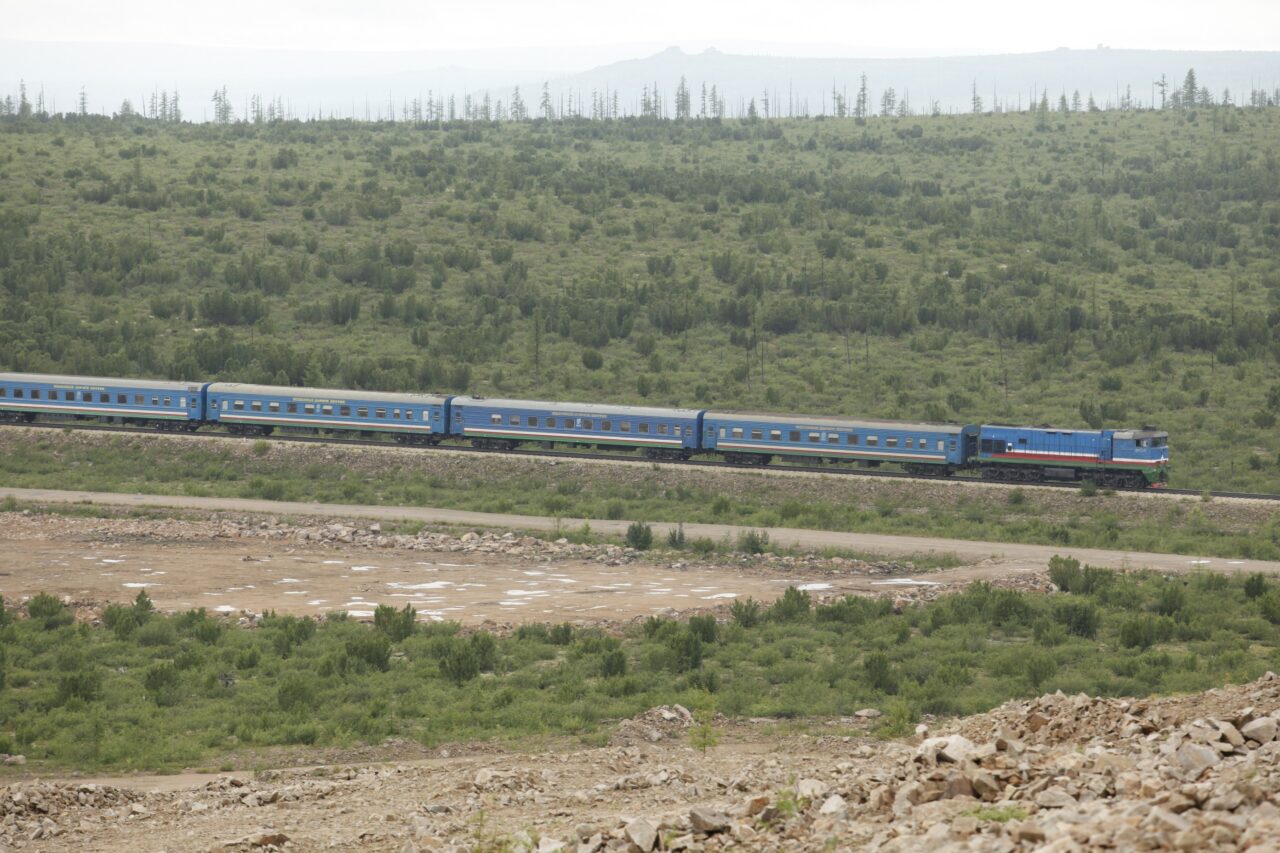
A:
(1145, 450)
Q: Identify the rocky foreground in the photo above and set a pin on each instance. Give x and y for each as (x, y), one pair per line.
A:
(1056, 773)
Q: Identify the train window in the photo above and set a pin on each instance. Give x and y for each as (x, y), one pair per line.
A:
(379, 413)
(532, 420)
(256, 405)
(953, 445)
(292, 408)
(495, 418)
(643, 427)
(457, 416)
(138, 399)
(182, 402)
(662, 430)
(568, 423)
(70, 395)
(514, 420)
(408, 414)
(794, 435)
(891, 442)
(775, 435)
(104, 398)
(362, 411)
(328, 410)
(757, 434)
(586, 424)
(35, 393)
(815, 437)
(238, 405)
(17, 392)
(345, 411)
(122, 399)
(688, 431)
(155, 401)
(910, 442)
(4, 392)
(923, 444)
(273, 406)
(224, 404)
(724, 432)
(737, 432)
(833, 438)
(606, 426)
(437, 414)
(395, 414)
(308, 408)
(853, 438)
(873, 440)
(624, 426)
(1022, 441)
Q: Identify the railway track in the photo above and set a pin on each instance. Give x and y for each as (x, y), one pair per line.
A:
(836, 469)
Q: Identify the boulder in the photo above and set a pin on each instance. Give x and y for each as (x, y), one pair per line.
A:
(1195, 759)
(811, 788)
(834, 804)
(1055, 797)
(1262, 730)
(642, 834)
(708, 821)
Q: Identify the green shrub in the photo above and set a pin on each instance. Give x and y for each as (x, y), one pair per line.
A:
(1064, 572)
(745, 612)
(878, 673)
(704, 627)
(1255, 586)
(396, 624)
(85, 685)
(675, 537)
(792, 606)
(157, 632)
(753, 541)
(686, 647)
(639, 536)
(1269, 606)
(1138, 632)
(296, 693)
(1170, 600)
(561, 635)
(48, 612)
(1040, 667)
(459, 662)
(613, 664)
(373, 648)
(1078, 616)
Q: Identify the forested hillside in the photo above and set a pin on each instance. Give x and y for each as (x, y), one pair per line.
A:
(1117, 268)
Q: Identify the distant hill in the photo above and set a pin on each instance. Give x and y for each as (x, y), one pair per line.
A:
(357, 84)
(1009, 79)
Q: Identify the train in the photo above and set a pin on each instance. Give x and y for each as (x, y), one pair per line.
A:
(1116, 458)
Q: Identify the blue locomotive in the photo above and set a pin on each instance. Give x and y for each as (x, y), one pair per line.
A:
(1131, 458)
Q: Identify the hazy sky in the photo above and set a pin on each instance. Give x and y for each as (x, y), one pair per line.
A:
(596, 30)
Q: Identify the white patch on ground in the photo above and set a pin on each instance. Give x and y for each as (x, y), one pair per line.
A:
(904, 582)
(134, 585)
(297, 592)
(512, 603)
(362, 568)
(1200, 562)
(515, 592)
(719, 595)
(533, 574)
(225, 608)
(317, 602)
(431, 585)
(332, 562)
(359, 613)
(289, 580)
(813, 587)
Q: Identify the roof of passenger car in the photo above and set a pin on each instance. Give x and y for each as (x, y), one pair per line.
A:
(328, 394)
(570, 409)
(58, 379)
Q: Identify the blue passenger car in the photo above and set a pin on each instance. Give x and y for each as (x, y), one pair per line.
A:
(168, 405)
(260, 409)
(502, 424)
(1124, 458)
(754, 439)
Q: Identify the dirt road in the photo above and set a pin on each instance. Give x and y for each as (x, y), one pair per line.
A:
(1013, 556)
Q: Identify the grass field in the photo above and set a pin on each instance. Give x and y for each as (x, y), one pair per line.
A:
(145, 690)
(1114, 268)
